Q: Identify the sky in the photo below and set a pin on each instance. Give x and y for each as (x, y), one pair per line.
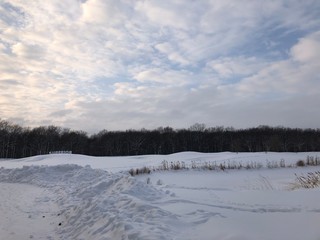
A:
(130, 64)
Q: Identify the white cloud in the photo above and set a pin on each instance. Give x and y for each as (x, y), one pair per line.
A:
(170, 52)
(286, 79)
(104, 12)
(28, 51)
(163, 76)
(156, 62)
(164, 13)
(308, 49)
(128, 90)
(236, 66)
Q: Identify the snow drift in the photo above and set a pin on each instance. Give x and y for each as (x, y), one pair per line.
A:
(98, 205)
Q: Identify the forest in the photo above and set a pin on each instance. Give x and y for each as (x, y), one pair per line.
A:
(19, 142)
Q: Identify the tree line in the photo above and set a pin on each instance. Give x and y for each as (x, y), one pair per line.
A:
(18, 142)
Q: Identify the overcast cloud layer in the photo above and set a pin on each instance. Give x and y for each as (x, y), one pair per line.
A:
(104, 64)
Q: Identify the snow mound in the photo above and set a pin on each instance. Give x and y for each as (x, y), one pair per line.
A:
(96, 204)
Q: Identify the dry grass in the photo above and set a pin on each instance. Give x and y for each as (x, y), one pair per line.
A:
(310, 161)
(311, 180)
(223, 166)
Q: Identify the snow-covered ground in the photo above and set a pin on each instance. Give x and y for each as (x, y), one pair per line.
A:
(81, 197)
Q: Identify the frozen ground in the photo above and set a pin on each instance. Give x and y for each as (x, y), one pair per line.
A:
(81, 197)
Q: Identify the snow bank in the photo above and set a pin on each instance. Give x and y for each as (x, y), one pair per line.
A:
(98, 205)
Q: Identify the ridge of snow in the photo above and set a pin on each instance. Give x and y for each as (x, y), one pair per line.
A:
(94, 202)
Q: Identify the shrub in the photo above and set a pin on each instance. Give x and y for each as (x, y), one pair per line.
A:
(282, 163)
(164, 165)
(138, 171)
(222, 166)
(193, 165)
(272, 164)
(312, 161)
(300, 163)
(175, 165)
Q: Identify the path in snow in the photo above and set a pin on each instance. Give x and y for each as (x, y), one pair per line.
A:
(27, 213)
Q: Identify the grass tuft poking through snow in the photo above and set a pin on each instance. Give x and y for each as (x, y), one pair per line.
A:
(223, 166)
(311, 180)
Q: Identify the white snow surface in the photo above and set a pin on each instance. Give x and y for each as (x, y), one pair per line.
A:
(67, 196)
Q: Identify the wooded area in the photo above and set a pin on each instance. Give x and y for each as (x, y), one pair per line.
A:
(18, 142)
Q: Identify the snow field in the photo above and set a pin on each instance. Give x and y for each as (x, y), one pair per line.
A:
(96, 198)
(240, 205)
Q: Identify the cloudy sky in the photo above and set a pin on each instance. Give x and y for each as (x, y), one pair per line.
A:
(119, 64)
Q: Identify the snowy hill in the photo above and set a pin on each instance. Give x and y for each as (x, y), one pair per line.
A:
(65, 196)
